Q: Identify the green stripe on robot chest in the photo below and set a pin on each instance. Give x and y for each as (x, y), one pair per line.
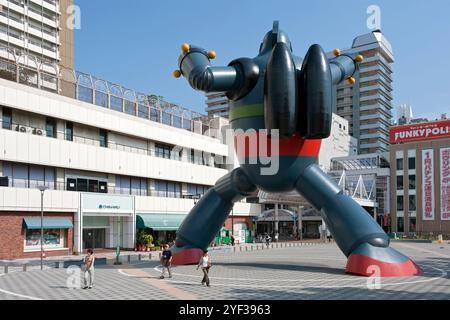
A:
(248, 111)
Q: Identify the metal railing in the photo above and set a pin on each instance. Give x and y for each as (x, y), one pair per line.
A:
(31, 71)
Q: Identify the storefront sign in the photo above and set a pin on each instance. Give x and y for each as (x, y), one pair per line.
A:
(428, 185)
(107, 204)
(421, 131)
(445, 183)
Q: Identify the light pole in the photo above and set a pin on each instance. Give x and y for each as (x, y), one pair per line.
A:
(232, 221)
(42, 190)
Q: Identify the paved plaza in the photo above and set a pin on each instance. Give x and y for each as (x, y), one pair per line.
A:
(288, 273)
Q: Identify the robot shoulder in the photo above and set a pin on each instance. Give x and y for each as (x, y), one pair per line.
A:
(249, 73)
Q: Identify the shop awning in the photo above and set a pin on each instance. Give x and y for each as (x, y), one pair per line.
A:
(48, 223)
(159, 222)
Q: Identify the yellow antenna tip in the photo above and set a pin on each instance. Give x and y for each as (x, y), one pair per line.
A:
(177, 74)
(185, 47)
(212, 54)
(337, 52)
(359, 58)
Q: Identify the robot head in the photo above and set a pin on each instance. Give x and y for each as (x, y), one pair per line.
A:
(272, 37)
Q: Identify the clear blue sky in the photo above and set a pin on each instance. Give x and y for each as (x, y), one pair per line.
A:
(136, 43)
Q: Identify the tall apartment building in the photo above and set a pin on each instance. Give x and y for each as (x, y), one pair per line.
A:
(37, 30)
(217, 104)
(367, 104)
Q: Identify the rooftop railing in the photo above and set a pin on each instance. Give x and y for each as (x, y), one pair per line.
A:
(29, 70)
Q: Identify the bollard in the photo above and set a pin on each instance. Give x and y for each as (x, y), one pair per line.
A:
(6, 269)
(129, 258)
(234, 249)
(150, 256)
(139, 257)
(252, 248)
(24, 268)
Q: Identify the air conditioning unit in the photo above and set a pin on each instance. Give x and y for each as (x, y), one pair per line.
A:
(38, 132)
(21, 129)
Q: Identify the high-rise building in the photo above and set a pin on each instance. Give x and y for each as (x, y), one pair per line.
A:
(37, 32)
(367, 104)
(404, 114)
(217, 104)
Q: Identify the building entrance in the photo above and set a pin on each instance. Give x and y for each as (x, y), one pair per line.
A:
(94, 238)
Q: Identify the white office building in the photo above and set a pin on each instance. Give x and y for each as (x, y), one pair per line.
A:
(113, 160)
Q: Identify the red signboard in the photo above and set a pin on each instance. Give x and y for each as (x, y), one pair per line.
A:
(420, 131)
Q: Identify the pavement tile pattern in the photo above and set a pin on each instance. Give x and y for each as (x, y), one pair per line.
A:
(288, 273)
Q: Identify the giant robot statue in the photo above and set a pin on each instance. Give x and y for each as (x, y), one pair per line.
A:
(276, 90)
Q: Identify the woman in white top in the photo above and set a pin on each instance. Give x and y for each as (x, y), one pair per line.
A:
(205, 263)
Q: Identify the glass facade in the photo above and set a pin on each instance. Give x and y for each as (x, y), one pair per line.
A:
(167, 189)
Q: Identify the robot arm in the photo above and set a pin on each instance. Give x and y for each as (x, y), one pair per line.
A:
(195, 65)
(344, 67)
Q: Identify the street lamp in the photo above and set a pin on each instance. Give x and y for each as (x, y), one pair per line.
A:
(42, 190)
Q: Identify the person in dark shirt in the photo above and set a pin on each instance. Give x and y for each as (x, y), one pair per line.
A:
(166, 260)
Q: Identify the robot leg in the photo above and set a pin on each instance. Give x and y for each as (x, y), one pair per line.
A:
(208, 216)
(356, 233)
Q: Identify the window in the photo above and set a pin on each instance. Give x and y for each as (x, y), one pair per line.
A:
(103, 138)
(28, 176)
(167, 189)
(163, 151)
(400, 224)
(412, 203)
(71, 184)
(53, 239)
(195, 191)
(7, 119)
(93, 186)
(50, 127)
(130, 185)
(103, 187)
(69, 131)
(87, 185)
(412, 163)
(399, 203)
(82, 185)
(412, 182)
(399, 182)
(399, 164)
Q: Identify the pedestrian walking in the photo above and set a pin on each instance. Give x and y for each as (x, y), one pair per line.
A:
(166, 261)
(268, 239)
(232, 240)
(206, 263)
(89, 262)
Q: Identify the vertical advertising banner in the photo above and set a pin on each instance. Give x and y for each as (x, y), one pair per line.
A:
(427, 185)
(445, 184)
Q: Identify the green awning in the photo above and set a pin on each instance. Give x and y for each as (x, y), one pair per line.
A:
(159, 222)
(48, 223)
